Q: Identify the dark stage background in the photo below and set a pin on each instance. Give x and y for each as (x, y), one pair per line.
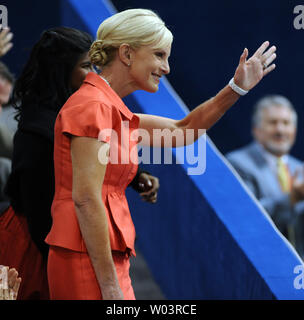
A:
(209, 38)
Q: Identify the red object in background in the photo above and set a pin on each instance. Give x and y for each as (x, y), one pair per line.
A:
(17, 250)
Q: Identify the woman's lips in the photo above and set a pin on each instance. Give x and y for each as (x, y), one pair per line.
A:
(156, 76)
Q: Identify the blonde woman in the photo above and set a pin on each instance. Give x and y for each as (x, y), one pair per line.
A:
(92, 235)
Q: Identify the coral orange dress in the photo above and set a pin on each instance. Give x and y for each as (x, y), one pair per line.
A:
(96, 111)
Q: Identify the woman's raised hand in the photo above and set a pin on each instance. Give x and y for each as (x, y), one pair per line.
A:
(250, 72)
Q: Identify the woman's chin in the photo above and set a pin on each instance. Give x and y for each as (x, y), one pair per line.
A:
(152, 88)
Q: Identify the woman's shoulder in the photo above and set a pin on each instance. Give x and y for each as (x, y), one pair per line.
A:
(87, 110)
(84, 118)
(80, 102)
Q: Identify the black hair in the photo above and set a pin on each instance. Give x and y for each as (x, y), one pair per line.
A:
(45, 78)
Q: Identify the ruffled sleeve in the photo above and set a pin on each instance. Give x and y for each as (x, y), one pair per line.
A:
(92, 119)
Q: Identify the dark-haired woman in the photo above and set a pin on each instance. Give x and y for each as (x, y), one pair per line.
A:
(56, 68)
(42, 88)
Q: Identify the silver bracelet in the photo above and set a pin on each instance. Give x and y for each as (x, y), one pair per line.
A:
(236, 88)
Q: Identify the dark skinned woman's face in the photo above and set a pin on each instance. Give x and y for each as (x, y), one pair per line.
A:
(82, 68)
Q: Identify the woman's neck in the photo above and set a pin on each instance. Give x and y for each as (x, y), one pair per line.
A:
(119, 79)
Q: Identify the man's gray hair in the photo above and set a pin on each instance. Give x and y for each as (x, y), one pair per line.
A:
(267, 102)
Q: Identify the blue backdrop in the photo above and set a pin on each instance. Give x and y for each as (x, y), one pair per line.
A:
(209, 38)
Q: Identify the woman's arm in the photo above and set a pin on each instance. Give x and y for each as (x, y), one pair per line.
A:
(161, 130)
(88, 176)
(247, 75)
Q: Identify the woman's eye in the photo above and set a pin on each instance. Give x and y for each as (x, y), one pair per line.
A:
(87, 66)
(159, 54)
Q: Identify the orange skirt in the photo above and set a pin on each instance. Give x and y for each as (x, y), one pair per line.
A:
(17, 250)
(71, 275)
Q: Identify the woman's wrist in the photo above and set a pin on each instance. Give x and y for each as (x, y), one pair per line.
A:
(236, 88)
(225, 99)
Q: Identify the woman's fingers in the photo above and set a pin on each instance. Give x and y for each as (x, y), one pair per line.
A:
(15, 289)
(12, 277)
(269, 69)
(152, 198)
(151, 195)
(266, 58)
(261, 49)
(13, 283)
(268, 61)
(244, 56)
(269, 53)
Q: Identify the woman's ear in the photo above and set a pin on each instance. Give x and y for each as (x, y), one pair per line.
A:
(125, 54)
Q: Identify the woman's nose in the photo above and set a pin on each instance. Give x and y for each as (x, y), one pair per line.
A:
(166, 67)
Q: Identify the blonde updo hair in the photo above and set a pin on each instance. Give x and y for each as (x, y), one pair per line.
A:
(136, 27)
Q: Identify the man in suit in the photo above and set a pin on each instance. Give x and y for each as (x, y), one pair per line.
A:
(274, 176)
